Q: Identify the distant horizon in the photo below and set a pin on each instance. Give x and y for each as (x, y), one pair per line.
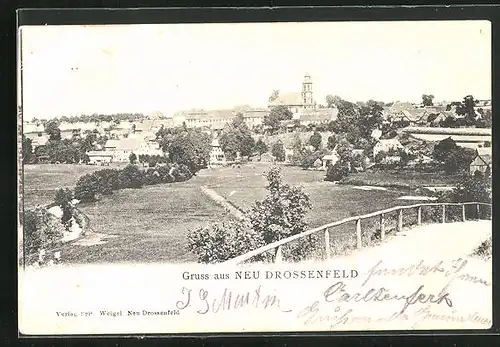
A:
(74, 70)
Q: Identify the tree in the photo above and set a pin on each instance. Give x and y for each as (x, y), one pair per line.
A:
(87, 188)
(52, 129)
(261, 147)
(63, 199)
(427, 99)
(332, 142)
(458, 160)
(472, 188)
(132, 158)
(443, 149)
(282, 214)
(338, 171)
(315, 140)
(27, 150)
(278, 151)
(274, 95)
(467, 109)
(190, 147)
(237, 138)
(332, 101)
(131, 177)
(275, 116)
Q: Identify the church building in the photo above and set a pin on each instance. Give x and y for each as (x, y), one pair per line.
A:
(297, 102)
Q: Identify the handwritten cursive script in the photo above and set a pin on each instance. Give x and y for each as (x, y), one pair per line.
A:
(338, 292)
(229, 300)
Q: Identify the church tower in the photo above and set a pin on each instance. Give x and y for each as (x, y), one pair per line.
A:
(307, 92)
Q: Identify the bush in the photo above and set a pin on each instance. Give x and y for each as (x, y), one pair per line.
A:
(152, 176)
(221, 242)
(108, 180)
(338, 171)
(41, 231)
(87, 188)
(63, 199)
(131, 177)
(165, 174)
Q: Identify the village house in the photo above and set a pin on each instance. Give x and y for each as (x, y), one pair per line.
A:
(100, 157)
(329, 159)
(217, 156)
(254, 117)
(318, 116)
(122, 148)
(482, 161)
(386, 145)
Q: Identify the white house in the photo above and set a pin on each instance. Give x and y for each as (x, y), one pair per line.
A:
(217, 156)
(329, 159)
(100, 157)
(122, 148)
(386, 145)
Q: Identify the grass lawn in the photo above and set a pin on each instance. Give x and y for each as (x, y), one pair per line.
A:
(402, 179)
(151, 224)
(41, 181)
(330, 202)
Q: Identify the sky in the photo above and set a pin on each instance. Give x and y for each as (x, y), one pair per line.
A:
(70, 70)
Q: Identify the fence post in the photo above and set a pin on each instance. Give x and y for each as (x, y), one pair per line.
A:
(477, 209)
(278, 257)
(400, 219)
(463, 213)
(419, 215)
(358, 233)
(327, 244)
(443, 218)
(382, 226)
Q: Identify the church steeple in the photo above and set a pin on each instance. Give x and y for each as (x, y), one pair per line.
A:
(307, 91)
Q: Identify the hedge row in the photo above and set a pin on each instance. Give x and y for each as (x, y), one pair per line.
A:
(103, 182)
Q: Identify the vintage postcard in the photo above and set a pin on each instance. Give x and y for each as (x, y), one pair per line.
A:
(255, 177)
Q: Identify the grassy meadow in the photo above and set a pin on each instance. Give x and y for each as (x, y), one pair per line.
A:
(151, 224)
(41, 181)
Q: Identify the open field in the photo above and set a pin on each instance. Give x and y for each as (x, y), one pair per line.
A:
(41, 181)
(151, 224)
(401, 179)
(330, 202)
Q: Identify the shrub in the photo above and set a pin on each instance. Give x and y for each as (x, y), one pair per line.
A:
(131, 177)
(152, 176)
(338, 171)
(63, 199)
(108, 181)
(41, 231)
(165, 174)
(87, 188)
(221, 242)
(282, 214)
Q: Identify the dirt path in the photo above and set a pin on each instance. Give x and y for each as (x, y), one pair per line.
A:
(220, 200)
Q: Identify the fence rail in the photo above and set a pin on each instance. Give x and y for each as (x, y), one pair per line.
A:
(278, 245)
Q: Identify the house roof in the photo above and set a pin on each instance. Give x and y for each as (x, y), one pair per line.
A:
(32, 128)
(399, 106)
(39, 140)
(124, 144)
(319, 114)
(255, 113)
(414, 114)
(288, 98)
(215, 143)
(485, 154)
(100, 153)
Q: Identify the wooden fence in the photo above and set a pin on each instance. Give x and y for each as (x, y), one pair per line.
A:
(325, 229)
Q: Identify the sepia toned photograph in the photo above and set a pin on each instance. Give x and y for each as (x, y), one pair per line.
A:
(254, 177)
